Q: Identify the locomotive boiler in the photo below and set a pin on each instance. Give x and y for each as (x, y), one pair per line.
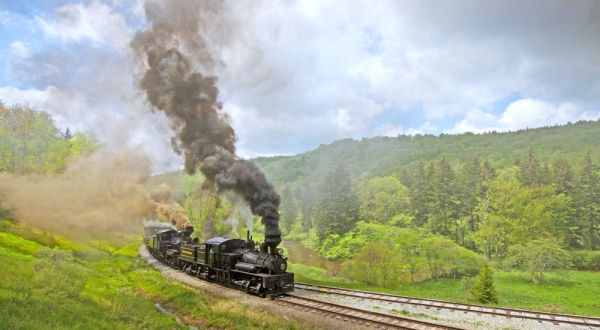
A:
(232, 262)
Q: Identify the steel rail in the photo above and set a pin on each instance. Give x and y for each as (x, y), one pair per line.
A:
(365, 317)
(467, 308)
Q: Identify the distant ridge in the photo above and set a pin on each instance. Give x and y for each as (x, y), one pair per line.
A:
(392, 155)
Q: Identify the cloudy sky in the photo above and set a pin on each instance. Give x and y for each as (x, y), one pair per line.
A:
(295, 74)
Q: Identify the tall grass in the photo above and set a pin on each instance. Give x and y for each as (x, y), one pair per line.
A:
(574, 292)
(44, 285)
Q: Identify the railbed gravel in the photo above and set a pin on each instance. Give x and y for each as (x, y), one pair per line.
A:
(319, 321)
(459, 319)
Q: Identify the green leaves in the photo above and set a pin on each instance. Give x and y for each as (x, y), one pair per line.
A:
(31, 143)
(482, 290)
(539, 256)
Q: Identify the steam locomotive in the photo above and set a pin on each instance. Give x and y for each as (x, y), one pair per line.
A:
(231, 262)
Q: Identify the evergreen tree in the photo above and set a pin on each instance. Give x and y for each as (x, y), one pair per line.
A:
(530, 170)
(587, 202)
(287, 210)
(337, 208)
(420, 195)
(483, 290)
(469, 181)
(444, 204)
(563, 179)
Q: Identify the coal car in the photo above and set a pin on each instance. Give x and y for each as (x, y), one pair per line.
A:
(228, 261)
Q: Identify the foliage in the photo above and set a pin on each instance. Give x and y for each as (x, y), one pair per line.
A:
(513, 213)
(539, 256)
(337, 246)
(374, 264)
(336, 210)
(382, 198)
(483, 290)
(444, 258)
(30, 142)
(587, 202)
(586, 260)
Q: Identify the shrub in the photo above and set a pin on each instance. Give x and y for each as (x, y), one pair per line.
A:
(586, 259)
(375, 264)
(539, 256)
(483, 290)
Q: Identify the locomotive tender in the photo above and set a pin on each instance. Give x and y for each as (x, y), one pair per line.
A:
(230, 262)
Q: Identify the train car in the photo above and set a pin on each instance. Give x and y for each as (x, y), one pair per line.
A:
(231, 262)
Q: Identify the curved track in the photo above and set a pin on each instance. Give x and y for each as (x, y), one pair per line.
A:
(592, 322)
(361, 316)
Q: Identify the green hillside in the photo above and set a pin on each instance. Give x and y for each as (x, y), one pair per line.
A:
(385, 155)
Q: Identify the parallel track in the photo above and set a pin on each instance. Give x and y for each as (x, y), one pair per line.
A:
(592, 322)
(360, 316)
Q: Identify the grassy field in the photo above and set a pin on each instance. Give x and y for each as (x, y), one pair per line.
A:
(50, 283)
(574, 292)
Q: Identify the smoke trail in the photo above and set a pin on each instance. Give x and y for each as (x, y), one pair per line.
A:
(190, 100)
(98, 195)
(167, 208)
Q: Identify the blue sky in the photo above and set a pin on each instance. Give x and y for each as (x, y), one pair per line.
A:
(295, 74)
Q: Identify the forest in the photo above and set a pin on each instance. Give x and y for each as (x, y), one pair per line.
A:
(422, 208)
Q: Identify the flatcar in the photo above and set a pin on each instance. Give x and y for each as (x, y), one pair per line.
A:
(231, 262)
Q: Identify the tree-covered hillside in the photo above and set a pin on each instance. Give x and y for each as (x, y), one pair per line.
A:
(387, 155)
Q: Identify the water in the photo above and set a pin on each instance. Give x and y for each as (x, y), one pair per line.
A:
(300, 254)
(168, 312)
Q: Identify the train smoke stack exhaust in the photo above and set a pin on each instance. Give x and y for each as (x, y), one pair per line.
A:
(174, 86)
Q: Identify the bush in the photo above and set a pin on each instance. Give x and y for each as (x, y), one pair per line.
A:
(483, 290)
(539, 256)
(586, 259)
(375, 264)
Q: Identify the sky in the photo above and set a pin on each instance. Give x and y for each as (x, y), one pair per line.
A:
(296, 74)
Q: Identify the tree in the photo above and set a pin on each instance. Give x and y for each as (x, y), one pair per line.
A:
(381, 198)
(337, 206)
(512, 213)
(375, 264)
(411, 252)
(445, 258)
(539, 256)
(530, 170)
(444, 203)
(287, 210)
(483, 290)
(420, 194)
(587, 202)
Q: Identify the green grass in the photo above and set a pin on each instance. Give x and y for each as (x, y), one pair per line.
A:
(104, 287)
(575, 292)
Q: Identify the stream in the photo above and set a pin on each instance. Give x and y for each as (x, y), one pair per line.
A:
(300, 254)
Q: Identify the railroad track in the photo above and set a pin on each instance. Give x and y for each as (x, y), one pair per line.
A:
(592, 322)
(360, 316)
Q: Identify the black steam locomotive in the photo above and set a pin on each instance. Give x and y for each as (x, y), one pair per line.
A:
(229, 261)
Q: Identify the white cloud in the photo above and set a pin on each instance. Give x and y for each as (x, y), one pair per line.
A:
(293, 75)
(298, 61)
(95, 22)
(391, 130)
(19, 49)
(524, 113)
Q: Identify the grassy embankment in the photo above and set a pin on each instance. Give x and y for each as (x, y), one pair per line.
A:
(575, 292)
(48, 282)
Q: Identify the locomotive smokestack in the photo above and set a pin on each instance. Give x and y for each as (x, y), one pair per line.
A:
(174, 85)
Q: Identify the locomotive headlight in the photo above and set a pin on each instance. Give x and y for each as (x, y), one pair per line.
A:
(283, 266)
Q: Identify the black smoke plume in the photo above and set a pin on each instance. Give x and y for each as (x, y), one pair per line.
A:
(175, 86)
